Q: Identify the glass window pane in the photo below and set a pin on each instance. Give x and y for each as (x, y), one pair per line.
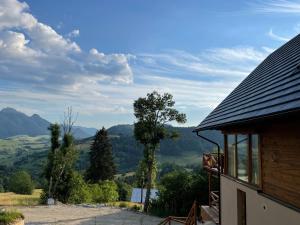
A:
(242, 156)
(255, 160)
(231, 155)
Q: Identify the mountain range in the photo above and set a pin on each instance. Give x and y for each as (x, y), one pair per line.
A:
(25, 143)
(13, 123)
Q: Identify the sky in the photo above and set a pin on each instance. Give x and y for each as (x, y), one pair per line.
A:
(98, 56)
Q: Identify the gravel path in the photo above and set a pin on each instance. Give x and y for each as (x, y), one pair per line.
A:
(73, 215)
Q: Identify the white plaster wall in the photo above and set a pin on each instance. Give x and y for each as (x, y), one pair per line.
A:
(260, 210)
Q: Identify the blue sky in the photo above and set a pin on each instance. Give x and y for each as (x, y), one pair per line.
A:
(99, 56)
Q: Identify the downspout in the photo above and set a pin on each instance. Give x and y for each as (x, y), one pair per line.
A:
(219, 169)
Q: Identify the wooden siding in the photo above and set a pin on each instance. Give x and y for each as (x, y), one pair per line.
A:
(280, 152)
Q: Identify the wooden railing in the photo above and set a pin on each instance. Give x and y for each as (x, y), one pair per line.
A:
(210, 162)
(191, 219)
(214, 200)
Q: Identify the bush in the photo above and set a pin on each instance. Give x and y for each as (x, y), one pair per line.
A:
(103, 192)
(136, 208)
(7, 217)
(79, 192)
(123, 205)
(21, 183)
(177, 192)
(124, 191)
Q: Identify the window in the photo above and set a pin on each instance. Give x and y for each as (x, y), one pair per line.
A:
(255, 160)
(243, 157)
(231, 155)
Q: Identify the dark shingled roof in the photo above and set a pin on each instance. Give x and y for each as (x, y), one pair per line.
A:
(272, 88)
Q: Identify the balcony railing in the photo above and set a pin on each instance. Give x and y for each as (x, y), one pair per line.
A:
(210, 162)
(214, 200)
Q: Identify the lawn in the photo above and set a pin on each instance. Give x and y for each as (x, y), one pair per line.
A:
(12, 199)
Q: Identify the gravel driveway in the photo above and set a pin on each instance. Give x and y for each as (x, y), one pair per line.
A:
(71, 215)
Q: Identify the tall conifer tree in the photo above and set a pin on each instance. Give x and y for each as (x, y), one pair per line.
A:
(102, 165)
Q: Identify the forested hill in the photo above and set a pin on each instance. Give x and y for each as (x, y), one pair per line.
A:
(30, 153)
(186, 149)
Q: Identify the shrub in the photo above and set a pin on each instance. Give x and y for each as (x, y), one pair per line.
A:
(79, 192)
(124, 191)
(136, 208)
(21, 183)
(123, 205)
(103, 192)
(178, 190)
(7, 217)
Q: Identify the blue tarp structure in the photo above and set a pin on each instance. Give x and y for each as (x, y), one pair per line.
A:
(136, 195)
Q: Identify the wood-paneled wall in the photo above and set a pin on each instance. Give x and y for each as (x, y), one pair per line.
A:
(280, 149)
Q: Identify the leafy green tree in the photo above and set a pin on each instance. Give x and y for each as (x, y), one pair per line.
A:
(21, 183)
(61, 160)
(104, 191)
(178, 190)
(79, 192)
(55, 134)
(124, 190)
(153, 113)
(64, 161)
(102, 165)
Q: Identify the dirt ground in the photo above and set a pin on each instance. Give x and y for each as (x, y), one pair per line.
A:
(75, 215)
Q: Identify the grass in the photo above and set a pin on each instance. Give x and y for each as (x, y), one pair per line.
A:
(12, 199)
(124, 204)
(7, 217)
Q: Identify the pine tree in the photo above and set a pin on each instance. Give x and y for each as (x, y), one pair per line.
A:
(102, 165)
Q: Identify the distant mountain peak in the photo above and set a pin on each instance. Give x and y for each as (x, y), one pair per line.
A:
(36, 116)
(18, 123)
(8, 110)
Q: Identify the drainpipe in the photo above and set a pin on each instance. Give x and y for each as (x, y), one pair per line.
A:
(219, 169)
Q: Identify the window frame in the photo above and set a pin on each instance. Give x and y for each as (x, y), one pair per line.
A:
(249, 163)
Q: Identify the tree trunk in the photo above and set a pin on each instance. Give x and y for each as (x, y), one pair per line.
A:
(149, 185)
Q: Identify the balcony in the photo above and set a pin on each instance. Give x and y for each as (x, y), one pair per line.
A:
(210, 162)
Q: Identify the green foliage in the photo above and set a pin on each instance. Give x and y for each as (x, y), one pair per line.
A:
(55, 134)
(21, 183)
(79, 192)
(124, 191)
(153, 113)
(59, 171)
(104, 191)
(123, 205)
(136, 208)
(102, 165)
(166, 168)
(8, 217)
(177, 192)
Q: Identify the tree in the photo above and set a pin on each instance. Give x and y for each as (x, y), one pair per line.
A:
(55, 134)
(102, 165)
(153, 113)
(61, 159)
(21, 183)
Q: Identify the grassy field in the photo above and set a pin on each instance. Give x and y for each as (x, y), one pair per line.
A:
(12, 199)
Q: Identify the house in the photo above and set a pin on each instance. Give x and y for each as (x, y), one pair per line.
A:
(259, 168)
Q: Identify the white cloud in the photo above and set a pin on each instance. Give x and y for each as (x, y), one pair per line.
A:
(73, 33)
(44, 70)
(278, 6)
(33, 52)
(224, 63)
(276, 37)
